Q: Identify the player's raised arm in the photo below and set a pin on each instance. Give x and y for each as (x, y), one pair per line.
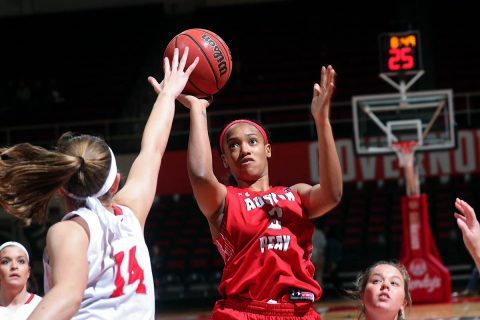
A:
(210, 76)
(141, 184)
(468, 224)
(324, 196)
(208, 191)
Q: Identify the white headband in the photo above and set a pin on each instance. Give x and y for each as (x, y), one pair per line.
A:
(15, 244)
(112, 173)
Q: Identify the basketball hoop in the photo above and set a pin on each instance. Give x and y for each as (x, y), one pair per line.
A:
(405, 152)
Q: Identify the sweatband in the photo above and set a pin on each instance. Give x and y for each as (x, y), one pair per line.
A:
(259, 128)
(15, 244)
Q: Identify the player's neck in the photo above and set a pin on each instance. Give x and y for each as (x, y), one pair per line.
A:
(13, 299)
(381, 316)
(261, 184)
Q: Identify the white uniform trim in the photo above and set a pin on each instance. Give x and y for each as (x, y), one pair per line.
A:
(22, 312)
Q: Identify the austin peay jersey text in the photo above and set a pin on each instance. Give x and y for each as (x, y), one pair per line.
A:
(266, 244)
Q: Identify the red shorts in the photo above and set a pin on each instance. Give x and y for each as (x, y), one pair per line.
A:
(254, 310)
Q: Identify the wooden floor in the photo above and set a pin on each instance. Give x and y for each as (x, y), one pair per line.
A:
(458, 309)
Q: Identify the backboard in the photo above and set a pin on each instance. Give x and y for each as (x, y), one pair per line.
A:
(426, 117)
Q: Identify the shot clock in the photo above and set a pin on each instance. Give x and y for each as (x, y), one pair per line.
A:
(400, 52)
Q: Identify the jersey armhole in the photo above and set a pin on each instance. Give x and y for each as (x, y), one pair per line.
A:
(82, 222)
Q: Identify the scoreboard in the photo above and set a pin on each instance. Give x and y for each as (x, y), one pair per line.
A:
(400, 52)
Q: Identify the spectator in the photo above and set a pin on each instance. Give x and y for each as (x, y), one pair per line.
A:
(333, 256)
(319, 243)
(472, 285)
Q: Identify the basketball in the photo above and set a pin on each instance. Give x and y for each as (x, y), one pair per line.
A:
(215, 65)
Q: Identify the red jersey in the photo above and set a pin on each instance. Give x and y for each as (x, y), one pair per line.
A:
(266, 244)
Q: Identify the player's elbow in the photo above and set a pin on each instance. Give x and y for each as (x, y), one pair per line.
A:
(199, 175)
(334, 196)
(74, 298)
(76, 302)
(332, 202)
(325, 203)
(337, 196)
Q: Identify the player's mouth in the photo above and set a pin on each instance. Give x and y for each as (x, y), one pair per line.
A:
(246, 161)
(384, 296)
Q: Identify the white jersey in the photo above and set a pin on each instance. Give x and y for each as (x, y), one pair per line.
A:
(23, 311)
(120, 280)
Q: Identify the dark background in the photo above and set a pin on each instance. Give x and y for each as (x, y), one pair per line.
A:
(86, 68)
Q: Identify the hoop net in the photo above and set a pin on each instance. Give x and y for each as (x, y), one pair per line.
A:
(405, 152)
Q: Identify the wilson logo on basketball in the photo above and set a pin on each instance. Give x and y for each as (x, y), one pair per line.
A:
(217, 55)
(214, 65)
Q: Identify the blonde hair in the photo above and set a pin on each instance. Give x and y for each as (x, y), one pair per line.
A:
(30, 175)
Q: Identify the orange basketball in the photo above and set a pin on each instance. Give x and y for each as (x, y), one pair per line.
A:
(215, 65)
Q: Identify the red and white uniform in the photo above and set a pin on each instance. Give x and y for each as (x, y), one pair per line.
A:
(266, 243)
(120, 280)
(23, 311)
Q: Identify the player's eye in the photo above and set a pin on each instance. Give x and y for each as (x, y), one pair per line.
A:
(233, 145)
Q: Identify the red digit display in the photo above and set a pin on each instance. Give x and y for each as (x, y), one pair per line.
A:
(400, 59)
(400, 52)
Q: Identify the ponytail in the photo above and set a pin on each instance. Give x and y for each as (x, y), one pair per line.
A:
(30, 176)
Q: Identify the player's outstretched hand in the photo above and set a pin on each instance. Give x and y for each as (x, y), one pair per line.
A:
(468, 224)
(322, 94)
(176, 74)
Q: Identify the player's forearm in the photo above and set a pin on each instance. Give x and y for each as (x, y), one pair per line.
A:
(199, 153)
(328, 163)
(157, 129)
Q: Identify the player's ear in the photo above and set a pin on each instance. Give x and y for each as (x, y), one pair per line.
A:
(116, 183)
(268, 150)
(224, 161)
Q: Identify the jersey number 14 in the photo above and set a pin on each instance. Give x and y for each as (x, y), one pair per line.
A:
(135, 272)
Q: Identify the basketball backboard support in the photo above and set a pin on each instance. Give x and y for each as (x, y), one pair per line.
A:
(426, 117)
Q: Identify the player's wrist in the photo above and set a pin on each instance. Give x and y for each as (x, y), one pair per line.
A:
(167, 95)
(322, 122)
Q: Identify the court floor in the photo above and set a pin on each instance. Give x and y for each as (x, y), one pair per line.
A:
(458, 309)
